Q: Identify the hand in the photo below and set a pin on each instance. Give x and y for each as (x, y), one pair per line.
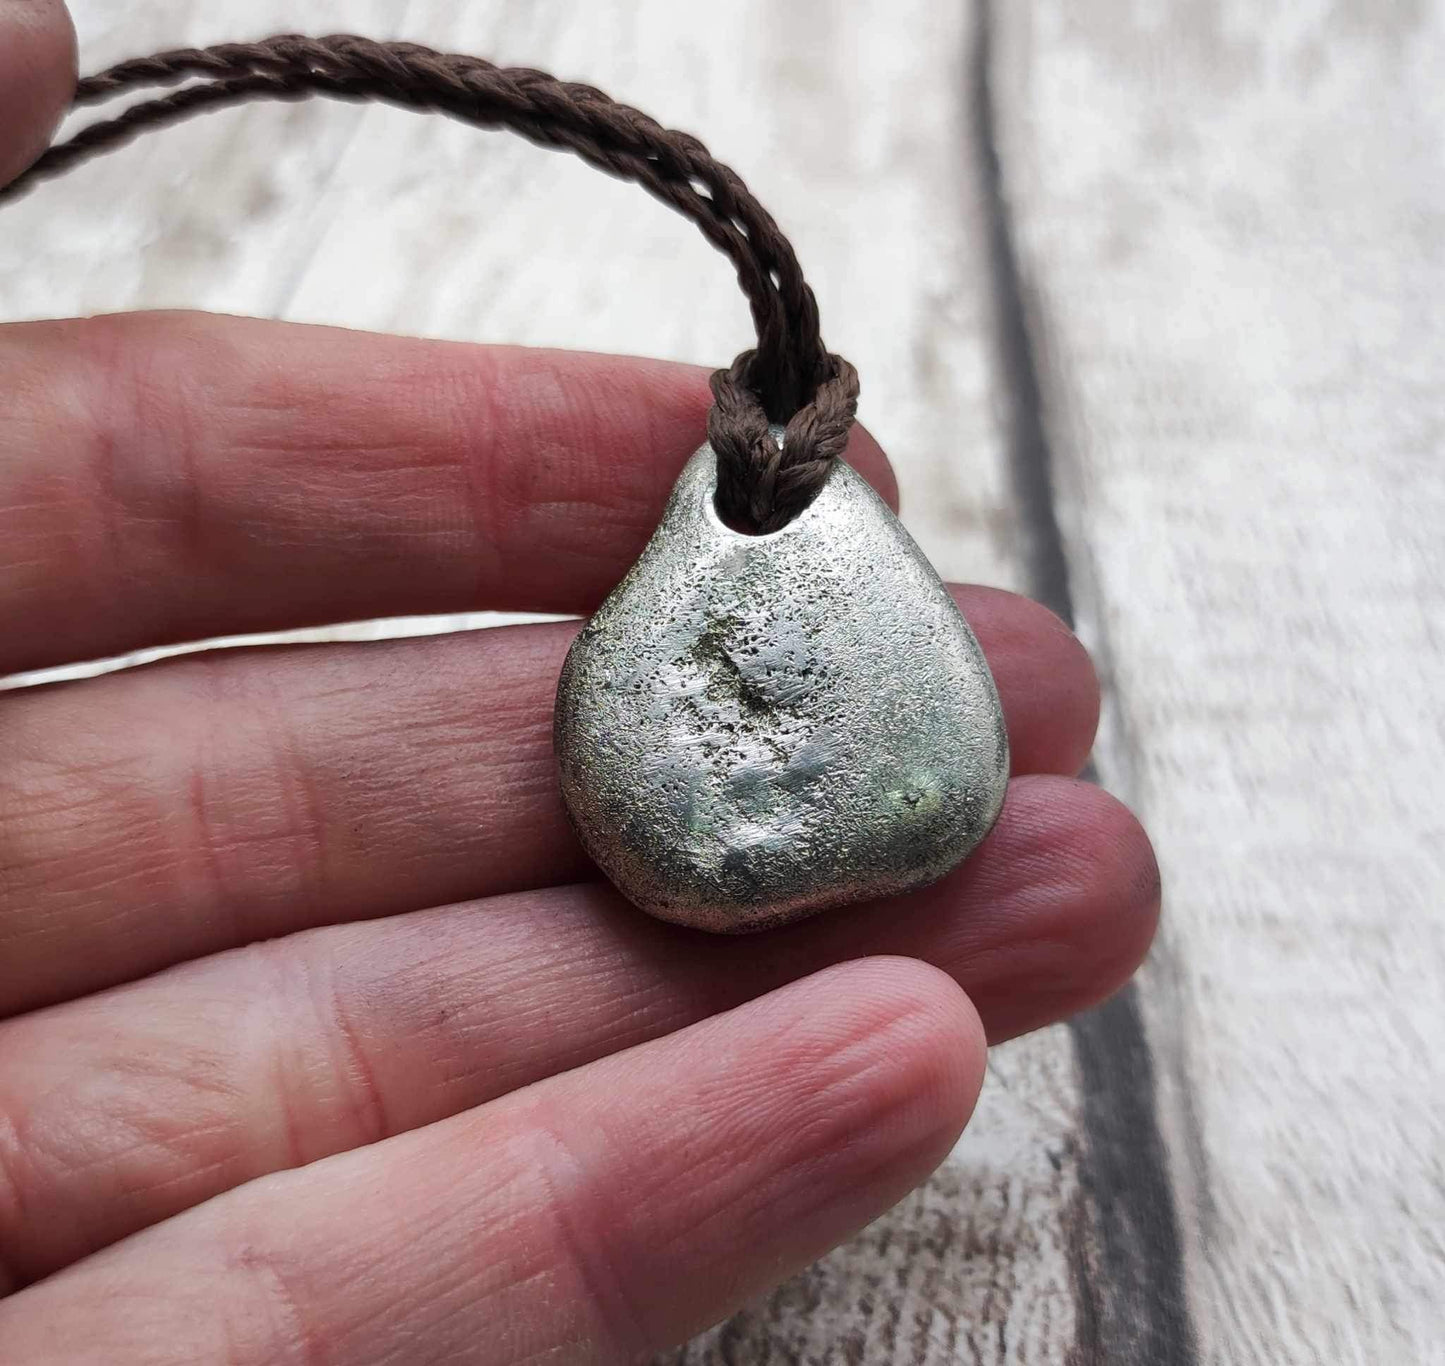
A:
(319, 1039)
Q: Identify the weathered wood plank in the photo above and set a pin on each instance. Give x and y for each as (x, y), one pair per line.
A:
(1127, 1254)
(1229, 226)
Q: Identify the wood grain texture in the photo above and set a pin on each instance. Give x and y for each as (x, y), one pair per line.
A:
(1229, 221)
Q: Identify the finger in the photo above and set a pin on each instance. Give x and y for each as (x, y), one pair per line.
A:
(154, 816)
(178, 476)
(126, 1108)
(37, 78)
(1045, 679)
(599, 1216)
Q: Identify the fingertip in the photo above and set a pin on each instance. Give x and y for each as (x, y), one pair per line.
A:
(1126, 862)
(37, 78)
(1106, 857)
(1046, 679)
(949, 1049)
(794, 1120)
(867, 457)
(1079, 876)
(912, 1031)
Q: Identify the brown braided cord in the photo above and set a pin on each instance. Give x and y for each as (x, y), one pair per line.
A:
(788, 378)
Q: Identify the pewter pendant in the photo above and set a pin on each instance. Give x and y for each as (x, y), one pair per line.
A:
(755, 728)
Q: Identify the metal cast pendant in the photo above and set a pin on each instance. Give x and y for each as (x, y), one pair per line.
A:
(755, 728)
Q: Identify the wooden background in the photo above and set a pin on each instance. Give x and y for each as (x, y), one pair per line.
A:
(1147, 296)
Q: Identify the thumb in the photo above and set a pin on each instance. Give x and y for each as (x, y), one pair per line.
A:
(37, 78)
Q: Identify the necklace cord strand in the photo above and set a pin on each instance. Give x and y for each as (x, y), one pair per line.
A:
(788, 378)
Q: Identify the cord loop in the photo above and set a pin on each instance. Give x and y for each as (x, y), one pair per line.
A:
(789, 377)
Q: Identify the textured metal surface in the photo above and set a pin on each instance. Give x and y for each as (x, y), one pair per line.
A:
(754, 728)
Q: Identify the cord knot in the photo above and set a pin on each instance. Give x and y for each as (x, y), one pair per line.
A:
(760, 486)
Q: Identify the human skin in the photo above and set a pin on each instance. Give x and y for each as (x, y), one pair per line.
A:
(320, 1041)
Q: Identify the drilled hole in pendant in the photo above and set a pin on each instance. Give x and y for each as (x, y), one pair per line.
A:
(736, 526)
(739, 528)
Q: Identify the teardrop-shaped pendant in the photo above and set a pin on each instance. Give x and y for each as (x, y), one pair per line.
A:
(752, 729)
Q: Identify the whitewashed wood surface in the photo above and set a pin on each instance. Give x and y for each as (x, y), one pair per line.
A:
(1147, 299)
